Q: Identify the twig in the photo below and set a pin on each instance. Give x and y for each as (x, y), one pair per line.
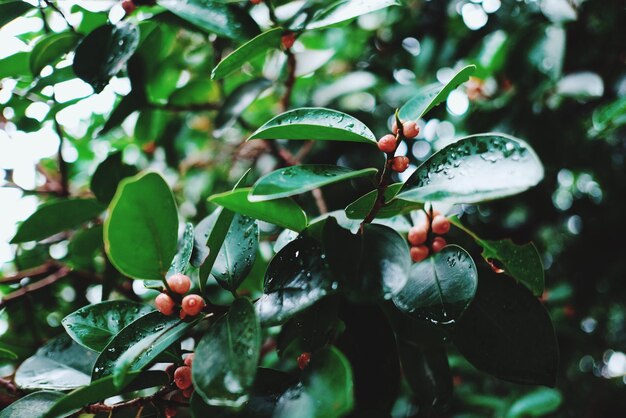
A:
(137, 402)
(65, 187)
(47, 267)
(62, 272)
(285, 101)
(54, 7)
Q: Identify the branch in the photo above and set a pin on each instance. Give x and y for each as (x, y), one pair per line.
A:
(137, 402)
(65, 187)
(45, 268)
(285, 101)
(62, 272)
(54, 7)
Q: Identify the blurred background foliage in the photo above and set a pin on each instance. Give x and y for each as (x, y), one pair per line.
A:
(549, 71)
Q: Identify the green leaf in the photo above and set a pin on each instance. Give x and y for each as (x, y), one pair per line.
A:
(282, 212)
(50, 48)
(133, 101)
(182, 257)
(538, 403)
(104, 388)
(138, 344)
(361, 207)
(522, 262)
(198, 91)
(56, 216)
(34, 405)
(315, 123)
(325, 392)
(507, 332)
(227, 357)
(430, 96)
(371, 265)
(210, 234)
(61, 364)
(491, 56)
(237, 102)
(475, 169)
(83, 246)
(341, 11)
(214, 17)
(298, 179)
(108, 175)
(16, 65)
(141, 231)
(441, 287)
(104, 52)
(12, 9)
(296, 278)
(254, 47)
(7, 354)
(93, 326)
(150, 125)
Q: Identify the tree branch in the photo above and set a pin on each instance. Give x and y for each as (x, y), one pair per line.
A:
(285, 101)
(54, 7)
(62, 272)
(45, 268)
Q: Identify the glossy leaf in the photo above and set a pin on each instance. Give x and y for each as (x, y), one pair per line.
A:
(254, 47)
(298, 179)
(361, 207)
(138, 344)
(11, 9)
(15, 65)
(210, 234)
(61, 364)
(185, 248)
(105, 388)
(56, 216)
(228, 355)
(214, 17)
(130, 103)
(430, 96)
(7, 354)
(475, 169)
(522, 262)
(237, 102)
(93, 326)
(296, 278)
(315, 123)
(341, 11)
(34, 405)
(507, 332)
(141, 231)
(104, 52)
(325, 392)
(538, 403)
(108, 175)
(441, 287)
(282, 212)
(51, 48)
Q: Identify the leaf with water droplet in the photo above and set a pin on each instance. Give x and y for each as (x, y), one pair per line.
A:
(185, 249)
(441, 287)
(34, 405)
(475, 169)
(341, 11)
(361, 207)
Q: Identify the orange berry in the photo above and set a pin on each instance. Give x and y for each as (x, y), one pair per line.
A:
(303, 360)
(182, 377)
(170, 412)
(288, 39)
(189, 360)
(419, 253)
(440, 225)
(188, 392)
(129, 6)
(410, 129)
(418, 234)
(387, 143)
(165, 304)
(256, 1)
(438, 244)
(400, 164)
(179, 283)
(193, 304)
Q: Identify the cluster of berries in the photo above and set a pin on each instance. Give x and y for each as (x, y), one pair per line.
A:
(389, 143)
(191, 305)
(425, 236)
(182, 380)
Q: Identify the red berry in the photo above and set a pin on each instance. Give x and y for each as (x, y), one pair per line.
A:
(418, 234)
(182, 377)
(129, 6)
(189, 360)
(188, 392)
(165, 304)
(440, 225)
(256, 1)
(438, 244)
(170, 412)
(387, 143)
(419, 253)
(400, 164)
(410, 129)
(193, 304)
(179, 283)
(303, 360)
(288, 39)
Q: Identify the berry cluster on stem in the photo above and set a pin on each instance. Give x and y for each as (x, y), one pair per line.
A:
(179, 284)
(426, 237)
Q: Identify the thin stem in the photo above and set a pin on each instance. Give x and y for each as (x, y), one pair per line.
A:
(45, 268)
(65, 188)
(290, 80)
(47, 281)
(54, 7)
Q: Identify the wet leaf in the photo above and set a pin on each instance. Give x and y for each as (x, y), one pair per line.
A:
(237, 102)
(341, 11)
(12, 9)
(475, 169)
(185, 248)
(361, 207)
(441, 287)
(538, 403)
(34, 405)
(50, 48)
(108, 175)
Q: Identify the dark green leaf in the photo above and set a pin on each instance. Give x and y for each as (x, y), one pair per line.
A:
(61, 364)
(94, 326)
(83, 246)
(441, 287)
(198, 91)
(131, 102)
(210, 233)
(108, 175)
(298, 179)
(141, 231)
(185, 248)
(50, 48)
(282, 212)
(343, 10)
(227, 356)
(315, 123)
(34, 405)
(296, 278)
(16, 65)
(237, 102)
(12, 9)
(507, 332)
(254, 47)
(474, 169)
(104, 52)
(7, 354)
(150, 124)
(538, 403)
(361, 207)
(430, 96)
(57, 216)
